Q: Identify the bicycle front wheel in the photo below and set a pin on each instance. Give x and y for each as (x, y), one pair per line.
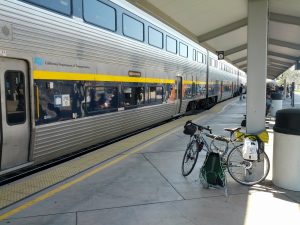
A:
(247, 172)
(190, 158)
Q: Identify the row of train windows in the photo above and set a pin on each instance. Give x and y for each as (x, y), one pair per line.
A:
(66, 100)
(100, 14)
(103, 15)
(62, 100)
(222, 66)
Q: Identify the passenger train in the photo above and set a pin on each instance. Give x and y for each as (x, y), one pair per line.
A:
(74, 73)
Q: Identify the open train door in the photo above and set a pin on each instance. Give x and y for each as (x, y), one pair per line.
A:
(15, 130)
(178, 93)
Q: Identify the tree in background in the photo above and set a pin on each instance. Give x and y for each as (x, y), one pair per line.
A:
(291, 75)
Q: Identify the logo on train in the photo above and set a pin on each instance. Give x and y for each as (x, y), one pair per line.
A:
(38, 61)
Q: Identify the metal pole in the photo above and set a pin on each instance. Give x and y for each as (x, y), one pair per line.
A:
(284, 90)
(293, 94)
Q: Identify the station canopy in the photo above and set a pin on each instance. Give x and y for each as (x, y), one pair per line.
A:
(221, 25)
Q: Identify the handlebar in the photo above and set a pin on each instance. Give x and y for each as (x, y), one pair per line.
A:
(199, 126)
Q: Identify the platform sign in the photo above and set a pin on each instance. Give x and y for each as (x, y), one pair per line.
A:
(220, 55)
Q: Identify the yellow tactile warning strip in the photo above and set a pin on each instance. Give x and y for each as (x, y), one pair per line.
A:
(23, 188)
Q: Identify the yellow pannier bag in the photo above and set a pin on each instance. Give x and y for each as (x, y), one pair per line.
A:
(264, 136)
(239, 136)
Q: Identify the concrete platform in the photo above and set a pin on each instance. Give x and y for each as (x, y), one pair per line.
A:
(144, 185)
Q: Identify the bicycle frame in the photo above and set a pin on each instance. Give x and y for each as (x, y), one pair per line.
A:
(200, 139)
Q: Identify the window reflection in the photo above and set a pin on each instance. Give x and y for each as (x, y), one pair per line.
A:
(15, 97)
(183, 50)
(101, 99)
(200, 90)
(188, 91)
(170, 93)
(66, 100)
(171, 45)
(155, 95)
(62, 6)
(58, 100)
(133, 28)
(155, 37)
(133, 96)
(100, 14)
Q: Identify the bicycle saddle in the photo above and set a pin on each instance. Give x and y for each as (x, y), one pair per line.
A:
(232, 129)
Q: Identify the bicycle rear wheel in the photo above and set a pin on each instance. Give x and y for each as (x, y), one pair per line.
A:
(247, 172)
(190, 158)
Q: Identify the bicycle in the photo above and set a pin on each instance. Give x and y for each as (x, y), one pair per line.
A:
(244, 171)
(196, 144)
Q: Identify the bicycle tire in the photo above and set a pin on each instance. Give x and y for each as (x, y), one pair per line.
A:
(247, 172)
(190, 158)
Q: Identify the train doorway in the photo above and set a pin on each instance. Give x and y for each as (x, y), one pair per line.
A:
(221, 90)
(15, 130)
(179, 93)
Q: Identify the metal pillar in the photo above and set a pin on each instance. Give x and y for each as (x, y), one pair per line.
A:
(257, 64)
(284, 91)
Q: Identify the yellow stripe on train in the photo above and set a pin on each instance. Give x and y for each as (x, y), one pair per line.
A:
(193, 82)
(54, 75)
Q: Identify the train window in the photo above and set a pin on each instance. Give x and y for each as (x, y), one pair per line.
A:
(200, 90)
(133, 28)
(183, 50)
(200, 57)
(155, 37)
(210, 61)
(155, 95)
(204, 59)
(15, 97)
(216, 63)
(171, 45)
(58, 100)
(101, 99)
(61, 6)
(99, 14)
(133, 97)
(194, 55)
(188, 90)
(170, 93)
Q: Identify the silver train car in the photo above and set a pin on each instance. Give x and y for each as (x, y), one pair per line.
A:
(75, 73)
